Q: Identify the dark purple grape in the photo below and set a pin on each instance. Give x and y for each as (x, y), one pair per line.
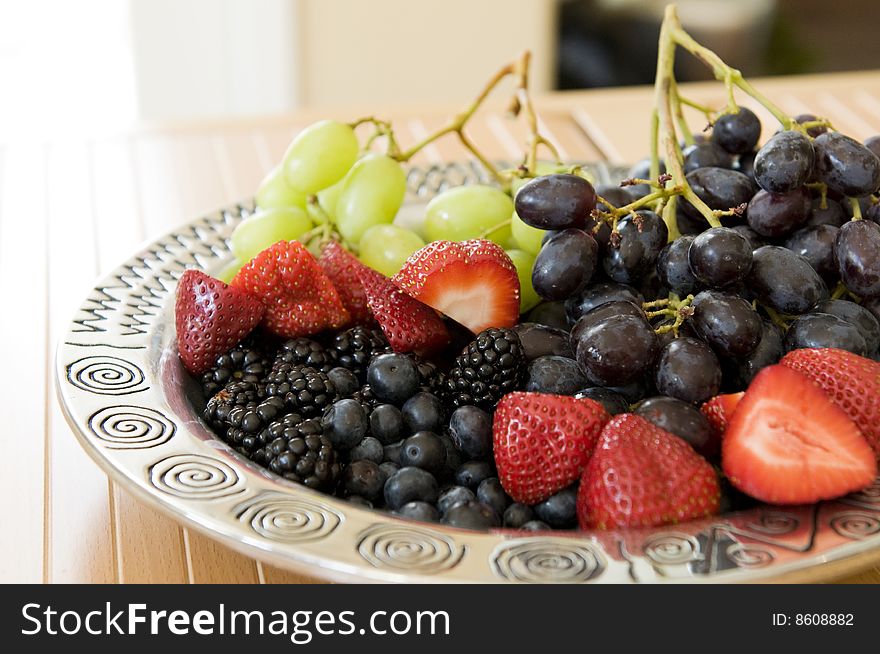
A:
(719, 257)
(858, 257)
(600, 313)
(768, 352)
(642, 170)
(682, 419)
(642, 236)
(785, 162)
(865, 204)
(737, 133)
(755, 240)
(745, 163)
(872, 305)
(873, 144)
(555, 375)
(862, 318)
(598, 294)
(613, 402)
(688, 224)
(549, 314)
(784, 281)
(617, 350)
(652, 287)
(824, 330)
(565, 264)
(872, 213)
(688, 369)
(706, 154)
(720, 188)
(541, 340)
(634, 391)
(846, 165)
(616, 196)
(559, 201)
(674, 269)
(832, 214)
(816, 245)
(809, 118)
(726, 322)
(776, 214)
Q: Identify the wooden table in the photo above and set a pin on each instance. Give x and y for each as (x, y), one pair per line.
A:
(71, 209)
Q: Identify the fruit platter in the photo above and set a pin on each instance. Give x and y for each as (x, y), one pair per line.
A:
(529, 371)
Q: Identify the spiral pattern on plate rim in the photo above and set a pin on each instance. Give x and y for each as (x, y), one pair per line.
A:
(671, 548)
(131, 427)
(774, 523)
(106, 375)
(288, 519)
(855, 525)
(749, 556)
(195, 477)
(409, 549)
(547, 560)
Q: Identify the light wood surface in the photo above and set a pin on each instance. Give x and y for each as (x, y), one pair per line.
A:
(71, 209)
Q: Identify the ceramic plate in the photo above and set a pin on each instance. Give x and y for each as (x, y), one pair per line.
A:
(127, 399)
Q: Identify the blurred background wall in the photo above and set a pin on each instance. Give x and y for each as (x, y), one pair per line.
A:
(102, 62)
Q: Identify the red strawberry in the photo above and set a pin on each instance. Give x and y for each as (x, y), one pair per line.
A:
(643, 476)
(542, 442)
(211, 319)
(788, 444)
(300, 299)
(719, 409)
(473, 282)
(850, 381)
(409, 325)
(341, 267)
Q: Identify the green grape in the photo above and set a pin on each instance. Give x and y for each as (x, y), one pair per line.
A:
(526, 237)
(386, 247)
(266, 228)
(320, 156)
(466, 212)
(275, 193)
(524, 261)
(371, 194)
(229, 271)
(327, 200)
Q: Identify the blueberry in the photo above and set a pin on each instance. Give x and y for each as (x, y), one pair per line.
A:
(345, 381)
(453, 457)
(560, 510)
(392, 452)
(394, 378)
(491, 493)
(345, 423)
(556, 375)
(363, 478)
(424, 450)
(387, 469)
(386, 424)
(454, 495)
(536, 525)
(357, 500)
(369, 449)
(471, 431)
(471, 473)
(419, 511)
(471, 515)
(516, 515)
(423, 412)
(409, 484)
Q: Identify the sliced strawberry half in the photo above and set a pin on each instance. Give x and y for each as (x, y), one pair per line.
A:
(409, 325)
(473, 282)
(542, 442)
(719, 409)
(300, 299)
(643, 476)
(850, 381)
(788, 444)
(211, 318)
(342, 268)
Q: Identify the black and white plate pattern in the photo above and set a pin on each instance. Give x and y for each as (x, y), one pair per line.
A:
(127, 399)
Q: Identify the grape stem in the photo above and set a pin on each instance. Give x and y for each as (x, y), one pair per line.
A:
(856, 208)
(672, 306)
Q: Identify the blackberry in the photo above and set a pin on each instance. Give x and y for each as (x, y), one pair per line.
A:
(303, 389)
(367, 398)
(488, 368)
(234, 394)
(353, 348)
(433, 380)
(246, 424)
(284, 427)
(303, 352)
(305, 456)
(245, 362)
